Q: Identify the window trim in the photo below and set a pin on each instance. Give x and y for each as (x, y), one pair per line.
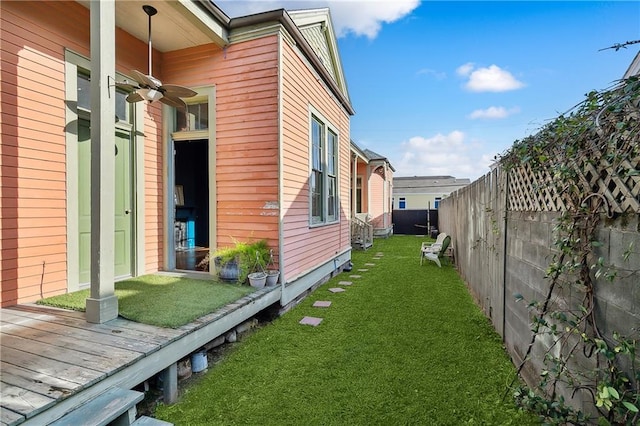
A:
(402, 203)
(327, 129)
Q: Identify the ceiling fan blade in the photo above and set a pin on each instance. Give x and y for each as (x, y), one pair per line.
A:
(174, 102)
(126, 86)
(134, 97)
(145, 80)
(177, 91)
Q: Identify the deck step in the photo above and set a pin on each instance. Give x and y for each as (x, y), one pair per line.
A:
(150, 421)
(115, 405)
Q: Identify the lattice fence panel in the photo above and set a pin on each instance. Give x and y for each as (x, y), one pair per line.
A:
(594, 150)
(529, 191)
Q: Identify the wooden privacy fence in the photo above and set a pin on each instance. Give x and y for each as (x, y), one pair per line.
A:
(474, 218)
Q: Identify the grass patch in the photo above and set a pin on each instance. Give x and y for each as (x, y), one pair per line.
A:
(160, 300)
(405, 344)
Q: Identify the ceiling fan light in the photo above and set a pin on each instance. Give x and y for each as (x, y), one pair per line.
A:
(150, 94)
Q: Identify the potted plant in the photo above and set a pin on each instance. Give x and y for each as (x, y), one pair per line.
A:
(235, 263)
(272, 271)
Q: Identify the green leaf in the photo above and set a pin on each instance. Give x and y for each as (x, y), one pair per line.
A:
(613, 392)
(630, 406)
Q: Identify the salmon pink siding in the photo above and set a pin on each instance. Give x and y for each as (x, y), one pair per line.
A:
(153, 187)
(246, 171)
(33, 149)
(363, 172)
(377, 206)
(305, 247)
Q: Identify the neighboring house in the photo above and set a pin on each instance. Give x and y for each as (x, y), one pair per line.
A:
(423, 192)
(371, 190)
(262, 152)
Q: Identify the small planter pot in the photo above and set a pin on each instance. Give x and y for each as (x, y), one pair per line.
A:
(257, 279)
(272, 277)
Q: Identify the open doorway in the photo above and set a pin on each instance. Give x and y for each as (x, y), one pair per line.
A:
(191, 201)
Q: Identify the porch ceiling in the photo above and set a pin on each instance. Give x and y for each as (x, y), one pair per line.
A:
(178, 24)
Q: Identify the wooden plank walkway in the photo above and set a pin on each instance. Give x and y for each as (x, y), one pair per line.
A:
(53, 360)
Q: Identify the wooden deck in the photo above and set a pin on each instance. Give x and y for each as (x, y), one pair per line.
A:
(52, 360)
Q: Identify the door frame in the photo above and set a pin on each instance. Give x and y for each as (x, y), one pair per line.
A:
(207, 94)
(73, 62)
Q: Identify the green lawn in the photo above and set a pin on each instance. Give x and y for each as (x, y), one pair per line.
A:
(161, 300)
(404, 344)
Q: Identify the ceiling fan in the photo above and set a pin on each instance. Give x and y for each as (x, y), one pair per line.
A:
(150, 88)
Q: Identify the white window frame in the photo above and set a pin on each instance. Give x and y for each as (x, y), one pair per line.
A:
(328, 178)
(402, 203)
(436, 202)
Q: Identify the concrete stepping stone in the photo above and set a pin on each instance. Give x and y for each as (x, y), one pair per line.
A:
(345, 283)
(355, 276)
(336, 290)
(313, 321)
(362, 270)
(369, 264)
(379, 254)
(322, 304)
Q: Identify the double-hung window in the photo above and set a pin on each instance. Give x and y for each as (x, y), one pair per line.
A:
(323, 185)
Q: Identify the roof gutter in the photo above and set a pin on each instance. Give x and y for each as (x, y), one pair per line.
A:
(215, 11)
(285, 20)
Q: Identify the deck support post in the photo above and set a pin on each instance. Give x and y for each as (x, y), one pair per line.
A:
(170, 383)
(102, 305)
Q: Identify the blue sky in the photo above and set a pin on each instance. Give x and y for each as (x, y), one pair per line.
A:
(441, 87)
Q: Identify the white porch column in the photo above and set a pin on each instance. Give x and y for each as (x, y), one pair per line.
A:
(102, 305)
(354, 184)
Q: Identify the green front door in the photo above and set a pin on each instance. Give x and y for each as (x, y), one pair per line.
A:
(122, 207)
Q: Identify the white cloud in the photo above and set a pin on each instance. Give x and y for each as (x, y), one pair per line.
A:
(438, 75)
(465, 70)
(493, 113)
(360, 18)
(442, 154)
(491, 79)
(366, 18)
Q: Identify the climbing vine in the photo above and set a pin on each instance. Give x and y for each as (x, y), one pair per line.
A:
(587, 162)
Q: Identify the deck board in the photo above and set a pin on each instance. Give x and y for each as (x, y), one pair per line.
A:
(118, 326)
(108, 339)
(23, 401)
(74, 354)
(8, 417)
(52, 367)
(41, 383)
